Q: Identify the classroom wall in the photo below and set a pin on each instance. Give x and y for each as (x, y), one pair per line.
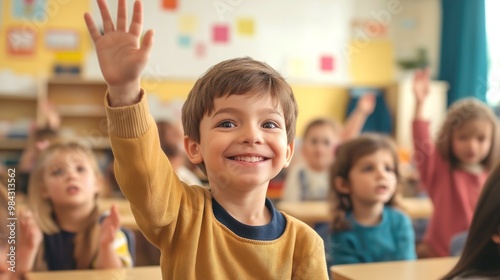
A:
(314, 99)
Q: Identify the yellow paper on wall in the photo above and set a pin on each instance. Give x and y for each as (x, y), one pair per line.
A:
(188, 24)
(371, 62)
(246, 27)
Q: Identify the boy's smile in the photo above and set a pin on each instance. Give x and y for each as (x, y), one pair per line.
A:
(243, 146)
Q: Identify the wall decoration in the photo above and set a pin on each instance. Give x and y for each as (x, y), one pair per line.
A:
(220, 33)
(21, 41)
(246, 26)
(29, 9)
(200, 50)
(169, 4)
(62, 39)
(188, 24)
(326, 63)
(184, 41)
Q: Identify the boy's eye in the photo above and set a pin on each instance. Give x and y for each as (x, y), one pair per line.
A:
(270, 125)
(226, 124)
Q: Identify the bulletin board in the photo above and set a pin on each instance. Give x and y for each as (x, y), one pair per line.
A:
(304, 40)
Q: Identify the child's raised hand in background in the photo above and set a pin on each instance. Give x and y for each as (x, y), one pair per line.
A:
(366, 104)
(109, 227)
(421, 84)
(106, 255)
(421, 81)
(121, 55)
(29, 239)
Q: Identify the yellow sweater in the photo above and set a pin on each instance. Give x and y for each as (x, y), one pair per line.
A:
(179, 219)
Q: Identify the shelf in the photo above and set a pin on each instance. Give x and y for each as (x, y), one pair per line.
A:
(81, 110)
(20, 97)
(13, 144)
(70, 80)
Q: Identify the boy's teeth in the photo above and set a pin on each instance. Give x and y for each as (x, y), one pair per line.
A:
(249, 159)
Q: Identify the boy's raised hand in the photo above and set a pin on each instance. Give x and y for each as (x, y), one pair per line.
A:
(421, 84)
(121, 55)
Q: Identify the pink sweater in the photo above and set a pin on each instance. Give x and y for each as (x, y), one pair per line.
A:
(453, 192)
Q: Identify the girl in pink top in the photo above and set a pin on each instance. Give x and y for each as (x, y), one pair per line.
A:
(454, 168)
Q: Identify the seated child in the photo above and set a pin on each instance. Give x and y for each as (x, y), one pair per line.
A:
(239, 120)
(62, 193)
(171, 138)
(366, 225)
(308, 180)
(480, 258)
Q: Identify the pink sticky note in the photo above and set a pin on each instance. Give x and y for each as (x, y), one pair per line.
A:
(220, 33)
(200, 49)
(326, 63)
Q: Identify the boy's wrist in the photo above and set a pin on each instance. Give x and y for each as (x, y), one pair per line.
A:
(124, 95)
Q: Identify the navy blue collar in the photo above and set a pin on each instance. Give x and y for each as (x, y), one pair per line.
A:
(271, 231)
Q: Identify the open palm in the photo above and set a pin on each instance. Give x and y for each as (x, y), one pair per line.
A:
(121, 55)
(421, 81)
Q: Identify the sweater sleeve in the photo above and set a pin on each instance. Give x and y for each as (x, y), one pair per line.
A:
(425, 154)
(314, 265)
(405, 238)
(143, 172)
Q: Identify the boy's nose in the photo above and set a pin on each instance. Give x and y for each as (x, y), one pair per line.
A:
(251, 135)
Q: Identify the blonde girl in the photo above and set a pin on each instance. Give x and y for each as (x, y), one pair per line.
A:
(454, 168)
(366, 225)
(63, 193)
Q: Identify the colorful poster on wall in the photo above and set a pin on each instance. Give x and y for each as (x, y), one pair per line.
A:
(326, 63)
(62, 40)
(220, 33)
(21, 41)
(184, 41)
(29, 9)
(188, 24)
(246, 27)
(169, 4)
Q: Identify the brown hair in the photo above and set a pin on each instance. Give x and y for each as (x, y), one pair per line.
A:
(237, 76)
(322, 121)
(347, 155)
(86, 241)
(481, 255)
(460, 112)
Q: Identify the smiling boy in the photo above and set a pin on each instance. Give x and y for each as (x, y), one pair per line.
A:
(239, 121)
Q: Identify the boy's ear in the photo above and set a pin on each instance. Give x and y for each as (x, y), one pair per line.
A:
(342, 185)
(192, 150)
(496, 238)
(289, 153)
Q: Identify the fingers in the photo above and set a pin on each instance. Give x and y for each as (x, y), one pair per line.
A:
(147, 42)
(114, 217)
(136, 24)
(94, 33)
(106, 17)
(121, 22)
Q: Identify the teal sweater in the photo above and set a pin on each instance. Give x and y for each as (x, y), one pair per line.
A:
(391, 240)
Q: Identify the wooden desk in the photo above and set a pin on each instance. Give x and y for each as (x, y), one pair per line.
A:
(312, 212)
(143, 272)
(423, 269)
